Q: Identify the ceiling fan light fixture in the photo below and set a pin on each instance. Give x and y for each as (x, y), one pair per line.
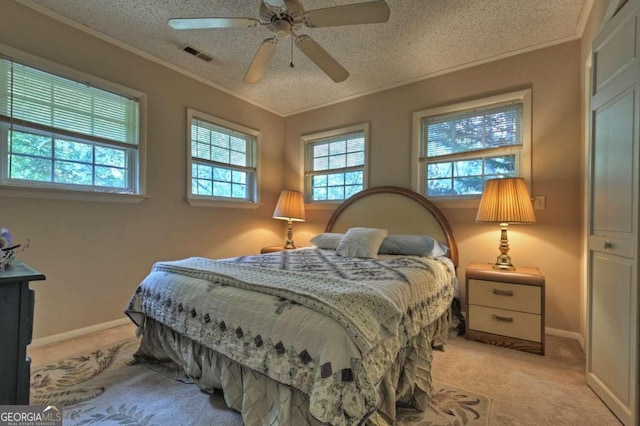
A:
(282, 28)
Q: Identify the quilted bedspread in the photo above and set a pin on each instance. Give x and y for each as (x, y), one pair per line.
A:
(294, 316)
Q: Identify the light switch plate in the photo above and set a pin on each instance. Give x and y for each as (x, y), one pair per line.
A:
(539, 202)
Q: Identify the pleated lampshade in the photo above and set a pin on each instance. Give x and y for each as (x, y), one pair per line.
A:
(290, 206)
(506, 200)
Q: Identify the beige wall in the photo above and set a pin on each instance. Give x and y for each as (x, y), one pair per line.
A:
(95, 253)
(553, 243)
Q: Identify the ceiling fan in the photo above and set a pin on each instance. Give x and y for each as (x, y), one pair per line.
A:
(284, 18)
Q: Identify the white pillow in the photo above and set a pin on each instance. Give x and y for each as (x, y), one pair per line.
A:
(361, 242)
(327, 240)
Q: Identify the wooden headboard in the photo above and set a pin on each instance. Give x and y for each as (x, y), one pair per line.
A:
(398, 210)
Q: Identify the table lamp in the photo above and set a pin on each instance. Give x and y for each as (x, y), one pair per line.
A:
(505, 201)
(290, 207)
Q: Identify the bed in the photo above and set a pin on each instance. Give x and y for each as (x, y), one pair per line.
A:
(308, 336)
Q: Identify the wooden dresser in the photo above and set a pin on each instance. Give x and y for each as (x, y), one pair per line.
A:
(16, 325)
(506, 308)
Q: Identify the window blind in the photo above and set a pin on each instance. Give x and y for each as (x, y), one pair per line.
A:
(472, 130)
(32, 97)
(338, 152)
(220, 145)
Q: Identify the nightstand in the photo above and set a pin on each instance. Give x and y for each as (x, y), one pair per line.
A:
(506, 308)
(272, 249)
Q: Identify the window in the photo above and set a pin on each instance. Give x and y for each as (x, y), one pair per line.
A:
(222, 160)
(63, 133)
(459, 147)
(335, 163)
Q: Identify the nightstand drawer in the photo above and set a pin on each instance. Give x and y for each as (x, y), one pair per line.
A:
(506, 323)
(516, 297)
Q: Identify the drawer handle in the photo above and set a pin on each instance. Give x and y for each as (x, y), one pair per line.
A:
(505, 319)
(499, 292)
(607, 245)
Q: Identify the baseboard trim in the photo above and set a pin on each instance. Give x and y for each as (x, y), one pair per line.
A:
(566, 334)
(122, 321)
(78, 332)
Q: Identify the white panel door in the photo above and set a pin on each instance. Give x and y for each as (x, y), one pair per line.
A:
(610, 343)
(614, 157)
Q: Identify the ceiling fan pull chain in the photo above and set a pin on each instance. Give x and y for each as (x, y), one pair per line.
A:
(291, 63)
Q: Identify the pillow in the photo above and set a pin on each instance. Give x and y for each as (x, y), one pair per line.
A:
(413, 245)
(327, 240)
(361, 242)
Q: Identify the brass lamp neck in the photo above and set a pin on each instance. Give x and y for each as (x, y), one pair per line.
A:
(289, 243)
(503, 261)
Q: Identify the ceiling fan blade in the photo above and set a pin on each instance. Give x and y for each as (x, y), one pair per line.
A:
(206, 23)
(260, 60)
(321, 58)
(276, 4)
(372, 12)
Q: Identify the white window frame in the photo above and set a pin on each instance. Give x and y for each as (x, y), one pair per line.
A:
(254, 185)
(310, 138)
(69, 191)
(523, 154)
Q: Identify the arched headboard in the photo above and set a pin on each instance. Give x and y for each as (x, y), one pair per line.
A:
(396, 209)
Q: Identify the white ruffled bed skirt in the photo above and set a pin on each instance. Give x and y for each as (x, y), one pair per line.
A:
(263, 401)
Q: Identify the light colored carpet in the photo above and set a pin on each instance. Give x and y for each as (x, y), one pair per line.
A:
(96, 386)
(524, 389)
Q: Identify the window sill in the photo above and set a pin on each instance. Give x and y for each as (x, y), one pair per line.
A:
(70, 195)
(456, 204)
(235, 204)
(327, 205)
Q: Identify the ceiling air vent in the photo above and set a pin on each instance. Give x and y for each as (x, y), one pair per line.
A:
(198, 54)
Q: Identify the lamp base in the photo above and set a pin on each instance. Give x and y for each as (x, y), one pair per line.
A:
(503, 262)
(288, 245)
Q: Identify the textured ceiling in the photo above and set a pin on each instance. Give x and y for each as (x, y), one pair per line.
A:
(422, 38)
